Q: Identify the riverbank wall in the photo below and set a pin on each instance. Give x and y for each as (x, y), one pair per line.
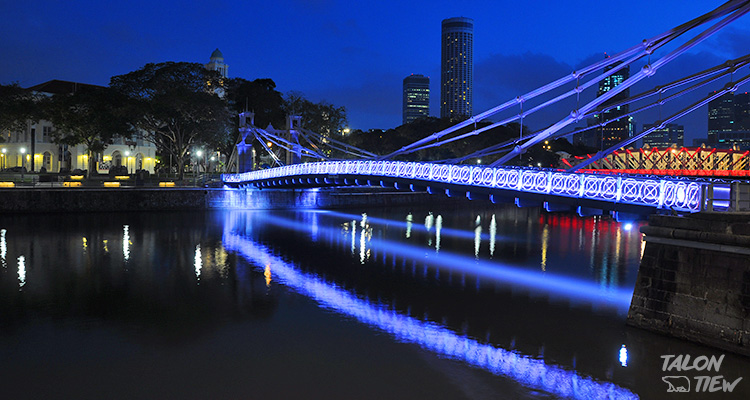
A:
(22, 200)
(694, 279)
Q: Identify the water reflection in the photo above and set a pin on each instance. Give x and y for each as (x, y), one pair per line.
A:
(198, 262)
(3, 248)
(126, 242)
(477, 235)
(21, 271)
(493, 234)
(529, 371)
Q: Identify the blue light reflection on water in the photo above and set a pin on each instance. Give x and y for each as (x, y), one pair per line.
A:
(528, 371)
(551, 284)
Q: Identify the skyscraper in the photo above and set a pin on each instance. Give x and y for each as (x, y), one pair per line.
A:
(416, 98)
(721, 117)
(671, 134)
(457, 68)
(729, 121)
(617, 130)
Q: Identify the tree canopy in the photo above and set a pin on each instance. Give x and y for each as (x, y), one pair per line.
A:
(260, 97)
(323, 118)
(175, 104)
(91, 116)
(17, 106)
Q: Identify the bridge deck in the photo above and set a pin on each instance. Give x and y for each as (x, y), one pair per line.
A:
(606, 191)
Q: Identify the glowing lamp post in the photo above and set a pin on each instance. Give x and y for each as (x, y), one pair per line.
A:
(198, 155)
(23, 161)
(127, 161)
(2, 157)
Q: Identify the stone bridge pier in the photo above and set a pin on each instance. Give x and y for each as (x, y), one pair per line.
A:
(694, 279)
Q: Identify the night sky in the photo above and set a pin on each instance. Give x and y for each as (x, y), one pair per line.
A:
(352, 54)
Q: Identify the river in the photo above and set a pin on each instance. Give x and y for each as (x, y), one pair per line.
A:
(404, 303)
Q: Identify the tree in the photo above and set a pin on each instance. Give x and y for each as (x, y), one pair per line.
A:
(176, 105)
(91, 116)
(17, 105)
(260, 97)
(323, 118)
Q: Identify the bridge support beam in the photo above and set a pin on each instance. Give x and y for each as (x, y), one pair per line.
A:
(498, 199)
(694, 279)
(523, 203)
(556, 207)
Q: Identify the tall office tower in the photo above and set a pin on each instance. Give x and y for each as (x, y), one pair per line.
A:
(665, 137)
(416, 98)
(742, 110)
(617, 130)
(216, 63)
(457, 68)
(721, 116)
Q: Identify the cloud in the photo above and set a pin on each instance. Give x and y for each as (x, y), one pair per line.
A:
(375, 102)
(732, 42)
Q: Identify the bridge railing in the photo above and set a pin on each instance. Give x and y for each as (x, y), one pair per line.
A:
(658, 192)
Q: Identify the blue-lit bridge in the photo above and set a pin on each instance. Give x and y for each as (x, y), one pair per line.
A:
(557, 190)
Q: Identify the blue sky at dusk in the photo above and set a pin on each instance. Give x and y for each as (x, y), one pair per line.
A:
(352, 54)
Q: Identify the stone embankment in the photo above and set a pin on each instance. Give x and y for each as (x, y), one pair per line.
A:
(694, 279)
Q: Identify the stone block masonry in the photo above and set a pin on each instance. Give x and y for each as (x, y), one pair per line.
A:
(694, 279)
(46, 200)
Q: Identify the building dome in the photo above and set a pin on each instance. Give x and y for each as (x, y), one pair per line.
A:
(217, 54)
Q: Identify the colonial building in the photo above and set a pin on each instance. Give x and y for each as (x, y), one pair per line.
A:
(32, 148)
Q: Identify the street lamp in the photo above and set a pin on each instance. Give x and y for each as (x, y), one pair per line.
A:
(2, 157)
(127, 160)
(23, 162)
(199, 154)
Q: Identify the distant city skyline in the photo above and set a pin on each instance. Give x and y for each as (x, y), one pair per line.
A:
(343, 52)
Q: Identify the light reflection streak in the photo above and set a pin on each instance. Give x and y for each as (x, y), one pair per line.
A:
(362, 236)
(493, 234)
(383, 221)
(198, 261)
(477, 236)
(314, 236)
(3, 248)
(126, 242)
(354, 235)
(545, 246)
(438, 229)
(21, 271)
(623, 356)
(429, 220)
(526, 370)
(551, 284)
(267, 275)
(85, 243)
(409, 219)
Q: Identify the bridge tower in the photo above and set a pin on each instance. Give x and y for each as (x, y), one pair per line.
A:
(293, 126)
(246, 156)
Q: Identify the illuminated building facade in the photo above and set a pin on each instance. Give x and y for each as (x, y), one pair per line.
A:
(457, 68)
(33, 148)
(619, 129)
(671, 134)
(416, 102)
(729, 121)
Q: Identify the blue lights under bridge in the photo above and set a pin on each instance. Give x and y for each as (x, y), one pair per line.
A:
(557, 190)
